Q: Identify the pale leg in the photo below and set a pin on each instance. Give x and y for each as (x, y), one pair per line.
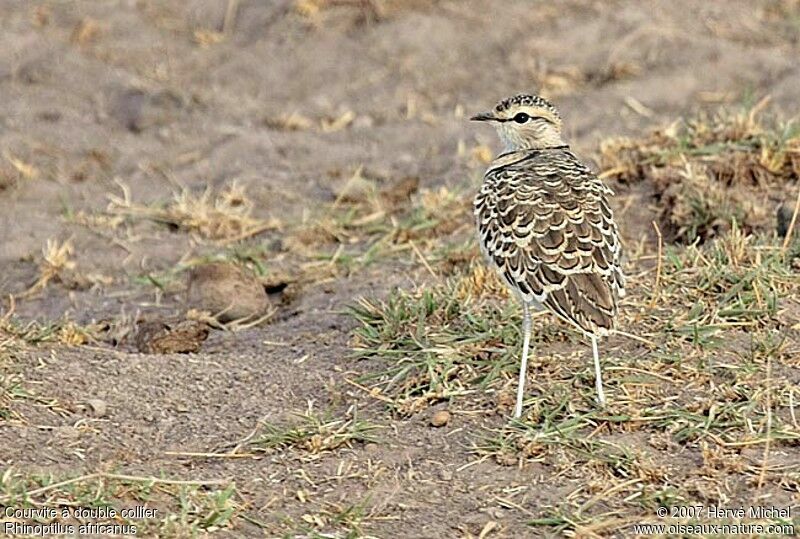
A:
(523, 368)
(598, 375)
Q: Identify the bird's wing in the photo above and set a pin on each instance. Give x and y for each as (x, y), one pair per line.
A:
(545, 223)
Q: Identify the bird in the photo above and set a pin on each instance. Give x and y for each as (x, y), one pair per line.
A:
(545, 224)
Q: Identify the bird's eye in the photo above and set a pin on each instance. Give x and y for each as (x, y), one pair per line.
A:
(521, 118)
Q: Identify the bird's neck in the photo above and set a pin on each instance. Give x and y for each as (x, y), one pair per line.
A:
(542, 141)
(553, 145)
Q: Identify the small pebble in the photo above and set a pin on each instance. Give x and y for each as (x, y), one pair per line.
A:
(98, 407)
(440, 418)
(783, 219)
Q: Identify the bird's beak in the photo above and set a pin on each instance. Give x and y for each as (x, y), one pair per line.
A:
(484, 117)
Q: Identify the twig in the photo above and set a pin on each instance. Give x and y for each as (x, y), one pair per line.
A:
(789, 231)
(639, 108)
(239, 443)
(657, 287)
(254, 230)
(757, 108)
(634, 337)
(230, 16)
(612, 490)
(156, 480)
(238, 325)
(118, 477)
(231, 455)
(641, 371)
(368, 390)
(506, 501)
(487, 529)
(765, 457)
(12, 305)
(422, 258)
(60, 484)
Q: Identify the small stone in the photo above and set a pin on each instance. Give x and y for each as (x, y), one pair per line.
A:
(506, 459)
(363, 122)
(66, 433)
(137, 110)
(783, 219)
(126, 107)
(505, 402)
(98, 407)
(440, 418)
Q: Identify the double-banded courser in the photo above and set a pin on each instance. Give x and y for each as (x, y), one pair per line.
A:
(544, 223)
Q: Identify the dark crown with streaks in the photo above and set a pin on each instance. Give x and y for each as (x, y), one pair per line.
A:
(526, 100)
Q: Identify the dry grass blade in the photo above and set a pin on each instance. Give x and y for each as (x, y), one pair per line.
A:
(121, 477)
(792, 223)
(660, 254)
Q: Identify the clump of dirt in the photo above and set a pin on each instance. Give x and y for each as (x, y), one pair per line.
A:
(711, 171)
(227, 291)
(137, 110)
(176, 336)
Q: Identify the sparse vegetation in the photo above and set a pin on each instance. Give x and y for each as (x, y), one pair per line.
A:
(713, 170)
(174, 508)
(315, 434)
(710, 332)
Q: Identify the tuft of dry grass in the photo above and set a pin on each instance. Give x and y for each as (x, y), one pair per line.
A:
(314, 435)
(86, 31)
(24, 170)
(381, 219)
(224, 216)
(554, 81)
(712, 170)
(449, 340)
(56, 263)
(369, 10)
(295, 121)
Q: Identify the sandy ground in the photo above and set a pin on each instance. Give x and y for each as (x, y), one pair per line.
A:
(156, 96)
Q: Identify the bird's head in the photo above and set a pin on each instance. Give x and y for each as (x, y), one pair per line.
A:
(525, 122)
